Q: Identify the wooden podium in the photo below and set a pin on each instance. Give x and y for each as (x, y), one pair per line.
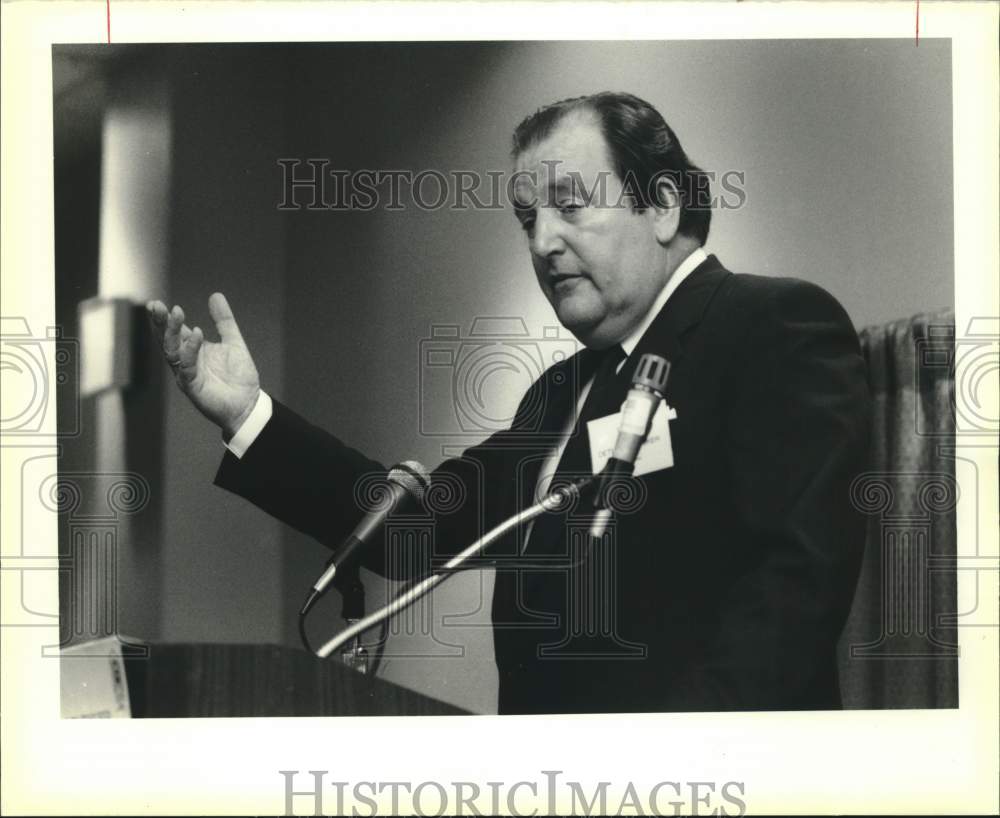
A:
(217, 680)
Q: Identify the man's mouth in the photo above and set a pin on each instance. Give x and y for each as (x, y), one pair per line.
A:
(563, 280)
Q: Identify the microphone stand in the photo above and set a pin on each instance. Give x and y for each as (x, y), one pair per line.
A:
(638, 411)
(640, 405)
(352, 592)
(554, 502)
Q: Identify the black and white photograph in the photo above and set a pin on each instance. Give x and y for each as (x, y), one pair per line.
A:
(577, 382)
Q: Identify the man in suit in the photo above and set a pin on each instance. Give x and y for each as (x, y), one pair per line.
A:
(725, 577)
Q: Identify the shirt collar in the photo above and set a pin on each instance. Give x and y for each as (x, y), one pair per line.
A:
(684, 269)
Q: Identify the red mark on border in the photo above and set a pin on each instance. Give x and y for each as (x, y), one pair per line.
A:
(108, 5)
(918, 22)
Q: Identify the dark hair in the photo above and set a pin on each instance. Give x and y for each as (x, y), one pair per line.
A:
(642, 146)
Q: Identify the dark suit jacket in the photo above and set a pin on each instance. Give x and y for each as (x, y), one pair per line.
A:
(724, 581)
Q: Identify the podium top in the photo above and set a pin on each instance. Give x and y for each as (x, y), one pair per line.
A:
(221, 680)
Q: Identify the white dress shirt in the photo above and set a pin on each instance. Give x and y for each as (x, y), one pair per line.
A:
(252, 426)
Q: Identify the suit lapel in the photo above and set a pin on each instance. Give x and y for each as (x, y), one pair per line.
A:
(682, 312)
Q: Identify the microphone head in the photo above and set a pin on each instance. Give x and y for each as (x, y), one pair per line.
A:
(651, 373)
(413, 477)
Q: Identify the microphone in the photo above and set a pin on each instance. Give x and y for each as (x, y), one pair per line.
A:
(641, 403)
(406, 481)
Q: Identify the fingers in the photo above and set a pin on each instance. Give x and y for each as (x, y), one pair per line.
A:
(222, 315)
(172, 335)
(157, 319)
(188, 368)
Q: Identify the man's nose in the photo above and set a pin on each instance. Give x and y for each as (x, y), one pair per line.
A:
(546, 237)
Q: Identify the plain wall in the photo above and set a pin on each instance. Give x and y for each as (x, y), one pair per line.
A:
(222, 559)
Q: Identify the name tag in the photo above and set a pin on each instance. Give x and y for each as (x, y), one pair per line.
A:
(655, 454)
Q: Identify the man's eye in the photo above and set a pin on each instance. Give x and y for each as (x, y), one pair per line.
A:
(527, 223)
(569, 207)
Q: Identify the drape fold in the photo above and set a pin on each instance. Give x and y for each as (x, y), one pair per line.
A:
(899, 648)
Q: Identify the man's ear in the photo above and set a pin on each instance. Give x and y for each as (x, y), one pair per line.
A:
(666, 209)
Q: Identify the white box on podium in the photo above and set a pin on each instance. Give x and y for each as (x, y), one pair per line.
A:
(92, 681)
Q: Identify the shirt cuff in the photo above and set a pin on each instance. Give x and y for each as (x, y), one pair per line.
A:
(252, 426)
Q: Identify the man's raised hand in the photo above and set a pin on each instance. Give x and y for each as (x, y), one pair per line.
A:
(219, 377)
